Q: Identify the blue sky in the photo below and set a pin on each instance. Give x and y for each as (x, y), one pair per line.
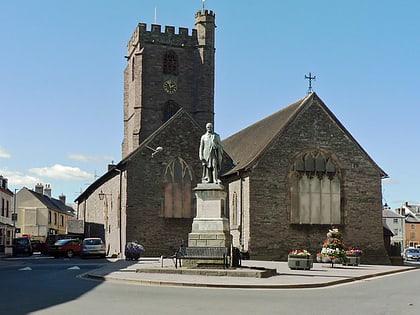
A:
(62, 62)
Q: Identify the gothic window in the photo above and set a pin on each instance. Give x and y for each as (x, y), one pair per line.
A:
(170, 108)
(170, 63)
(178, 190)
(315, 185)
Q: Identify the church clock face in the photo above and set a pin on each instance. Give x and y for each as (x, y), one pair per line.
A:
(170, 87)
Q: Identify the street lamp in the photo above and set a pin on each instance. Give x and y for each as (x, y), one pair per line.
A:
(155, 151)
(102, 195)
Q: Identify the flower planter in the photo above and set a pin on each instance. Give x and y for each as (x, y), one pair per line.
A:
(300, 262)
(352, 260)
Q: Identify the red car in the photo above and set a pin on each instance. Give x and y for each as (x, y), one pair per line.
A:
(66, 247)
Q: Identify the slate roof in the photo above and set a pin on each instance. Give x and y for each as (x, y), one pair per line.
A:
(52, 203)
(391, 214)
(247, 146)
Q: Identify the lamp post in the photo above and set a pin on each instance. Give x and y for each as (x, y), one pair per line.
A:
(155, 151)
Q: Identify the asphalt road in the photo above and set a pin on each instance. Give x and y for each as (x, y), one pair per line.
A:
(48, 286)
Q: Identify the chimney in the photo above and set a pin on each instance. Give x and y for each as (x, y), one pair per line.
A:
(39, 188)
(47, 190)
(62, 197)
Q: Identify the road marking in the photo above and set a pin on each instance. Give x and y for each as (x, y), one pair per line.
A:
(26, 268)
(73, 268)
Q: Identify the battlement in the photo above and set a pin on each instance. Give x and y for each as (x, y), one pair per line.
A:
(155, 35)
(202, 13)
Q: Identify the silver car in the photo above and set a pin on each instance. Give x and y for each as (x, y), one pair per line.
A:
(93, 246)
(412, 253)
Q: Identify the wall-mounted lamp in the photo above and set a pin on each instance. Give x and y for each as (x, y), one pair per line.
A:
(155, 151)
(102, 195)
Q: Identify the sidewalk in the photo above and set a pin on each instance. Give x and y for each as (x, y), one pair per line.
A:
(151, 271)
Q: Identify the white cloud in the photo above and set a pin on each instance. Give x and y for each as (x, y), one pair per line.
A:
(89, 158)
(4, 154)
(59, 171)
(19, 179)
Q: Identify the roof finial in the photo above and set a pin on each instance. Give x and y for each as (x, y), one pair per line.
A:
(310, 78)
(203, 3)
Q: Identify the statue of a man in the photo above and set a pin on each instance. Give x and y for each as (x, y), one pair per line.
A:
(211, 154)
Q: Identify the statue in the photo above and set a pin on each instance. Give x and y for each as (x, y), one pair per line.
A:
(211, 154)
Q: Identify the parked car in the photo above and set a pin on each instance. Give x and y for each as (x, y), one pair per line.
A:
(53, 238)
(66, 247)
(22, 245)
(38, 246)
(93, 246)
(412, 253)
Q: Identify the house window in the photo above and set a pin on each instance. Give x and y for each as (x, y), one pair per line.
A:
(395, 232)
(49, 217)
(7, 208)
(61, 220)
(170, 63)
(395, 220)
(315, 190)
(234, 207)
(413, 226)
(412, 235)
(2, 207)
(178, 190)
(55, 218)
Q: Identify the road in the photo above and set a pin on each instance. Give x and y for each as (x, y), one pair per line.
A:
(49, 286)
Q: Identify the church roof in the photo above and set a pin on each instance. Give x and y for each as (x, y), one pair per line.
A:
(247, 146)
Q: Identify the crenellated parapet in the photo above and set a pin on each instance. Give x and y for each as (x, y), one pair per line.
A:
(157, 36)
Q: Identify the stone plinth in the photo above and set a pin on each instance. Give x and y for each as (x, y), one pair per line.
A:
(210, 227)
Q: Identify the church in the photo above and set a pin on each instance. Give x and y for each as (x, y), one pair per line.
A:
(289, 177)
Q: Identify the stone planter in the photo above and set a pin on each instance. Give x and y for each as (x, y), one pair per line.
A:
(300, 262)
(352, 260)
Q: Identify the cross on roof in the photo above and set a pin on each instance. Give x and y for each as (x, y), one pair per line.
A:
(310, 78)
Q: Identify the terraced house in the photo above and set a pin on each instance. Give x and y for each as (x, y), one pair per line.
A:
(39, 214)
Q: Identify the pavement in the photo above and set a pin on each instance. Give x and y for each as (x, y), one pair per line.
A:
(155, 271)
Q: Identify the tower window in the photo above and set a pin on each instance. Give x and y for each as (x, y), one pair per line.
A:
(170, 63)
(169, 110)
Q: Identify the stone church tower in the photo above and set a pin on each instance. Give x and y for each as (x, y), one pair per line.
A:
(167, 71)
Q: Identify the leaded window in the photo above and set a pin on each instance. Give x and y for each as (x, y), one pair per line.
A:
(315, 190)
(178, 190)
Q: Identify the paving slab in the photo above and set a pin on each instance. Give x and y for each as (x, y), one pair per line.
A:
(154, 271)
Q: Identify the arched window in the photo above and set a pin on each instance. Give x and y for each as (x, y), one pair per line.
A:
(178, 190)
(170, 108)
(170, 63)
(315, 190)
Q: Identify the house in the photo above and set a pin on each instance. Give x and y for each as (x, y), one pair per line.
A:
(39, 214)
(396, 224)
(412, 231)
(6, 222)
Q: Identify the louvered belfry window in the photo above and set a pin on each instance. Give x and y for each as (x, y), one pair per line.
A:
(170, 63)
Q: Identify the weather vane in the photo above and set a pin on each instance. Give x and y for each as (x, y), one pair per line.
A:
(203, 3)
(310, 78)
